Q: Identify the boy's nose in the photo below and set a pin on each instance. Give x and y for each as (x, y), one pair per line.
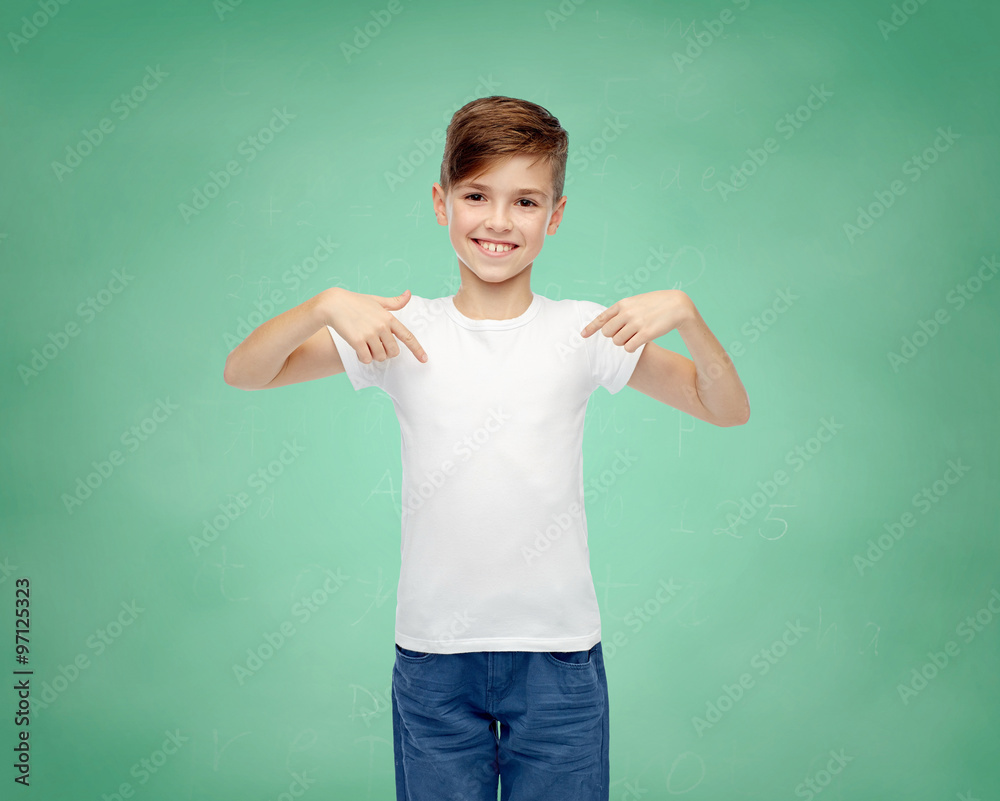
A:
(499, 221)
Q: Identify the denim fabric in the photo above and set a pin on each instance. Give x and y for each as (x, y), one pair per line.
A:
(551, 743)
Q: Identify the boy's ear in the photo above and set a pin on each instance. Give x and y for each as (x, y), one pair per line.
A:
(557, 216)
(440, 206)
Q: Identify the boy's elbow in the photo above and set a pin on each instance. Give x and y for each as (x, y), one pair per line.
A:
(742, 420)
(731, 422)
(236, 383)
(228, 374)
(231, 376)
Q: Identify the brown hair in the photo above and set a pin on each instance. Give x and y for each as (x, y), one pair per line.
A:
(496, 128)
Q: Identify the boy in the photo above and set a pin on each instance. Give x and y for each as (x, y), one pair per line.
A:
(499, 671)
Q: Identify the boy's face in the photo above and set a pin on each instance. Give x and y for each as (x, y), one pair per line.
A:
(493, 206)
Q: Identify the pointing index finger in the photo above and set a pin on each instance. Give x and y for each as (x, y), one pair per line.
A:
(595, 324)
(407, 338)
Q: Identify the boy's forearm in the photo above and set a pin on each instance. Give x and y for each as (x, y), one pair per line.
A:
(719, 387)
(260, 357)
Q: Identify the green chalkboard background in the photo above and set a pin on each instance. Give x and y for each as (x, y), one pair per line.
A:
(822, 178)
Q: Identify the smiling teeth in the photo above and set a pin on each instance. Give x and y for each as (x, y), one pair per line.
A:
(494, 248)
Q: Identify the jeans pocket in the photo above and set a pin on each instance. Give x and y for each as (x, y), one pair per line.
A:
(569, 658)
(406, 653)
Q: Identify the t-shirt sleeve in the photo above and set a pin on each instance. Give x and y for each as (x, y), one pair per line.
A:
(610, 364)
(361, 375)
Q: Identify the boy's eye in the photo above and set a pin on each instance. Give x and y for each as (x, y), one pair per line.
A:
(475, 195)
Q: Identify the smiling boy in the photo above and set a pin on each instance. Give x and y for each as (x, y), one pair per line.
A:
(499, 672)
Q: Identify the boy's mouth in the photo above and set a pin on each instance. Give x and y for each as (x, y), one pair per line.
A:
(492, 249)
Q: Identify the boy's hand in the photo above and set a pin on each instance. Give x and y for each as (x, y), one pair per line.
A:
(365, 322)
(634, 321)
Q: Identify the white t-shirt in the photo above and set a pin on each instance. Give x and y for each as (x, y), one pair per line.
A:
(494, 552)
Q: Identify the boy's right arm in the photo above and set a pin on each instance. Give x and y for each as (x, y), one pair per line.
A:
(295, 346)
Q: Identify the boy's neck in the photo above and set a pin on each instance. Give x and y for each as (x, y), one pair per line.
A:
(480, 300)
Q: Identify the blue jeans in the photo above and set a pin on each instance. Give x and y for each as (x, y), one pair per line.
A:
(551, 742)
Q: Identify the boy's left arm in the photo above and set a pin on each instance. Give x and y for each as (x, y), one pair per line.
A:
(707, 388)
